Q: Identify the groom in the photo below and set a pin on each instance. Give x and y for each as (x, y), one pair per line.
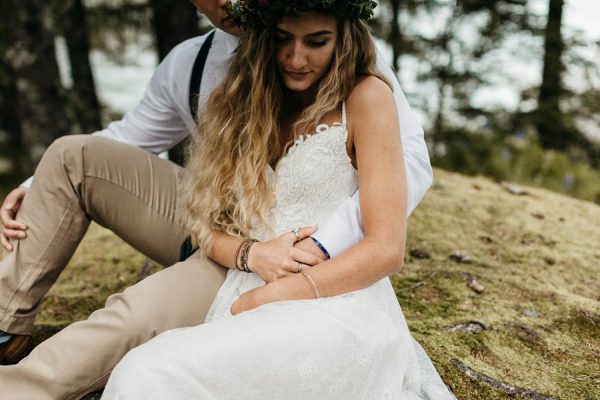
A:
(126, 188)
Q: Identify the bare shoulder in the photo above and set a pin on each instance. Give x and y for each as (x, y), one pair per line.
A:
(372, 96)
(370, 100)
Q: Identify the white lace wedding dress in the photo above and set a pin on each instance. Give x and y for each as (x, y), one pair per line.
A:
(352, 346)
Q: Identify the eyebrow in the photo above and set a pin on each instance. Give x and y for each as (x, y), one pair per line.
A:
(318, 33)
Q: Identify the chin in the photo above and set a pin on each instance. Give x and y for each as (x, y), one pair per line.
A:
(296, 86)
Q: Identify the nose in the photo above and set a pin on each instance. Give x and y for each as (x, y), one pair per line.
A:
(297, 57)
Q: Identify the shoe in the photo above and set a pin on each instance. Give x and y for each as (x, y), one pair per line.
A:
(15, 349)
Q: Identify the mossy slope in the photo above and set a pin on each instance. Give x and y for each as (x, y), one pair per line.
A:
(537, 257)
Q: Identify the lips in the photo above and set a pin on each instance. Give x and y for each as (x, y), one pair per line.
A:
(296, 75)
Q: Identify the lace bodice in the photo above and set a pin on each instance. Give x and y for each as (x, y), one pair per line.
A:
(310, 181)
(313, 178)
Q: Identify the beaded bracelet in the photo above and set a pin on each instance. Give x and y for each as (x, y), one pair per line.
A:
(244, 252)
(237, 255)
(312, 282)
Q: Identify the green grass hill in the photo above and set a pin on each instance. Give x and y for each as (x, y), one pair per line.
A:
(501, 286)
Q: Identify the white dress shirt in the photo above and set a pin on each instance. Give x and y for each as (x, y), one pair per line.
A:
(162, 119)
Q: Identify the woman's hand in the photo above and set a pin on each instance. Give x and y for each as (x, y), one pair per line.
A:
(249, 300)
(11, 229)
(278, 258)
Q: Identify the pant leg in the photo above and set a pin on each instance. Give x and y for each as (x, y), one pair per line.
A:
(78, 360)
(126, 189)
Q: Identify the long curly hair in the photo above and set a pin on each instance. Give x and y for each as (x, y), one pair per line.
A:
(237, 137)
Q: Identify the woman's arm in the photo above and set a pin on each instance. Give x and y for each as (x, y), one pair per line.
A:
(374, 130)
(271, 260)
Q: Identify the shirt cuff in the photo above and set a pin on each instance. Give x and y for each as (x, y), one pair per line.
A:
(342, 229)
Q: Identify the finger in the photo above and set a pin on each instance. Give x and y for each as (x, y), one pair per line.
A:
(5, 215)
(286, 271)
(306, 232)
(292, 270)
(304, 257)
(14, 234)
(5, 243)
(16, 225)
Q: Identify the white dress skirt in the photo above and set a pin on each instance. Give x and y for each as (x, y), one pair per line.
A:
(352, 346)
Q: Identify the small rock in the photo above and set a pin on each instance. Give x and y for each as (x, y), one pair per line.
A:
(549, 260)
(420, 253)
(470, 326)
(561, 219)
(512, 189)
(474, 285)
(530, 313)
(486, 239)
(538, 215)
(460, 258)
(526, 330)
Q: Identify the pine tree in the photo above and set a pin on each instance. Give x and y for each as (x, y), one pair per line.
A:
(31, 54)
(549, 118)
(83, 100)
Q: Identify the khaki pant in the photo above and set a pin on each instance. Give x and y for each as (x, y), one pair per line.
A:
(133, 193)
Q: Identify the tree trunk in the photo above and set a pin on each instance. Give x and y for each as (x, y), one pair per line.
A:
(173, 22)
(10, 131)
(395, 37)
(83, 99)
(549, 119)
(41, 104)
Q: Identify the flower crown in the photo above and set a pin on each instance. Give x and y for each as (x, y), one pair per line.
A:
(260, 13)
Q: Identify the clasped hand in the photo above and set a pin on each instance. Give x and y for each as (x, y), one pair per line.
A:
(279, 257)
(275, 259)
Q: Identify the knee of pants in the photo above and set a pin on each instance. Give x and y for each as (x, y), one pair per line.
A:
(134, 316)
(65, 151)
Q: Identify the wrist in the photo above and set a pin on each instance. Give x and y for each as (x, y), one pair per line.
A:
(294, 287)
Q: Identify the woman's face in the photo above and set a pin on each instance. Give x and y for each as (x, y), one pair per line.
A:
(304, 49)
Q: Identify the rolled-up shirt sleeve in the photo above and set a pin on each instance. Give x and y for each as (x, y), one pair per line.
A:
(343, 229)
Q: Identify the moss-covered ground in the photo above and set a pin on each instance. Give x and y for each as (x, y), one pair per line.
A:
(528, 273)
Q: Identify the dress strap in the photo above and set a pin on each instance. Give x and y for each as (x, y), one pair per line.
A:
(344, 113)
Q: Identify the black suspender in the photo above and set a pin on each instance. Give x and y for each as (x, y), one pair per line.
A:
(187, 249)
(197, 74)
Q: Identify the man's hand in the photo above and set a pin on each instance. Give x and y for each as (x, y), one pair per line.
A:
(279, 257)
(11, 228)
(308, 245)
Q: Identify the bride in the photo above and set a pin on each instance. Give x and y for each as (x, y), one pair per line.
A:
(302, 120)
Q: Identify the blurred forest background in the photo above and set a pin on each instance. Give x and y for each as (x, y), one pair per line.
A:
(445, 51)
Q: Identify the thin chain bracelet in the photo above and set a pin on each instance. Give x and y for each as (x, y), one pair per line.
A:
(312, 282)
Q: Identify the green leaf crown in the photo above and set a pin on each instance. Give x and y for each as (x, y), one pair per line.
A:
(256, 14)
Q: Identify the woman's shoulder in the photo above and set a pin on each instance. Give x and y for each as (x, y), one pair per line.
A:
(369, 93)
(371, 97)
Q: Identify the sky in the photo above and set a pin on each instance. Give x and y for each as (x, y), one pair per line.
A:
(121, 86)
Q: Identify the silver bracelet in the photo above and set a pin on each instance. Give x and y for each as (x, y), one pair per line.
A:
(312, 282)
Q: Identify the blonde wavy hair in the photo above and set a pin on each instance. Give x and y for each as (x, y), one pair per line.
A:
(237, 136)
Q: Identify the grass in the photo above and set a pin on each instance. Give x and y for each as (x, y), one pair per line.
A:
(537, 257)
